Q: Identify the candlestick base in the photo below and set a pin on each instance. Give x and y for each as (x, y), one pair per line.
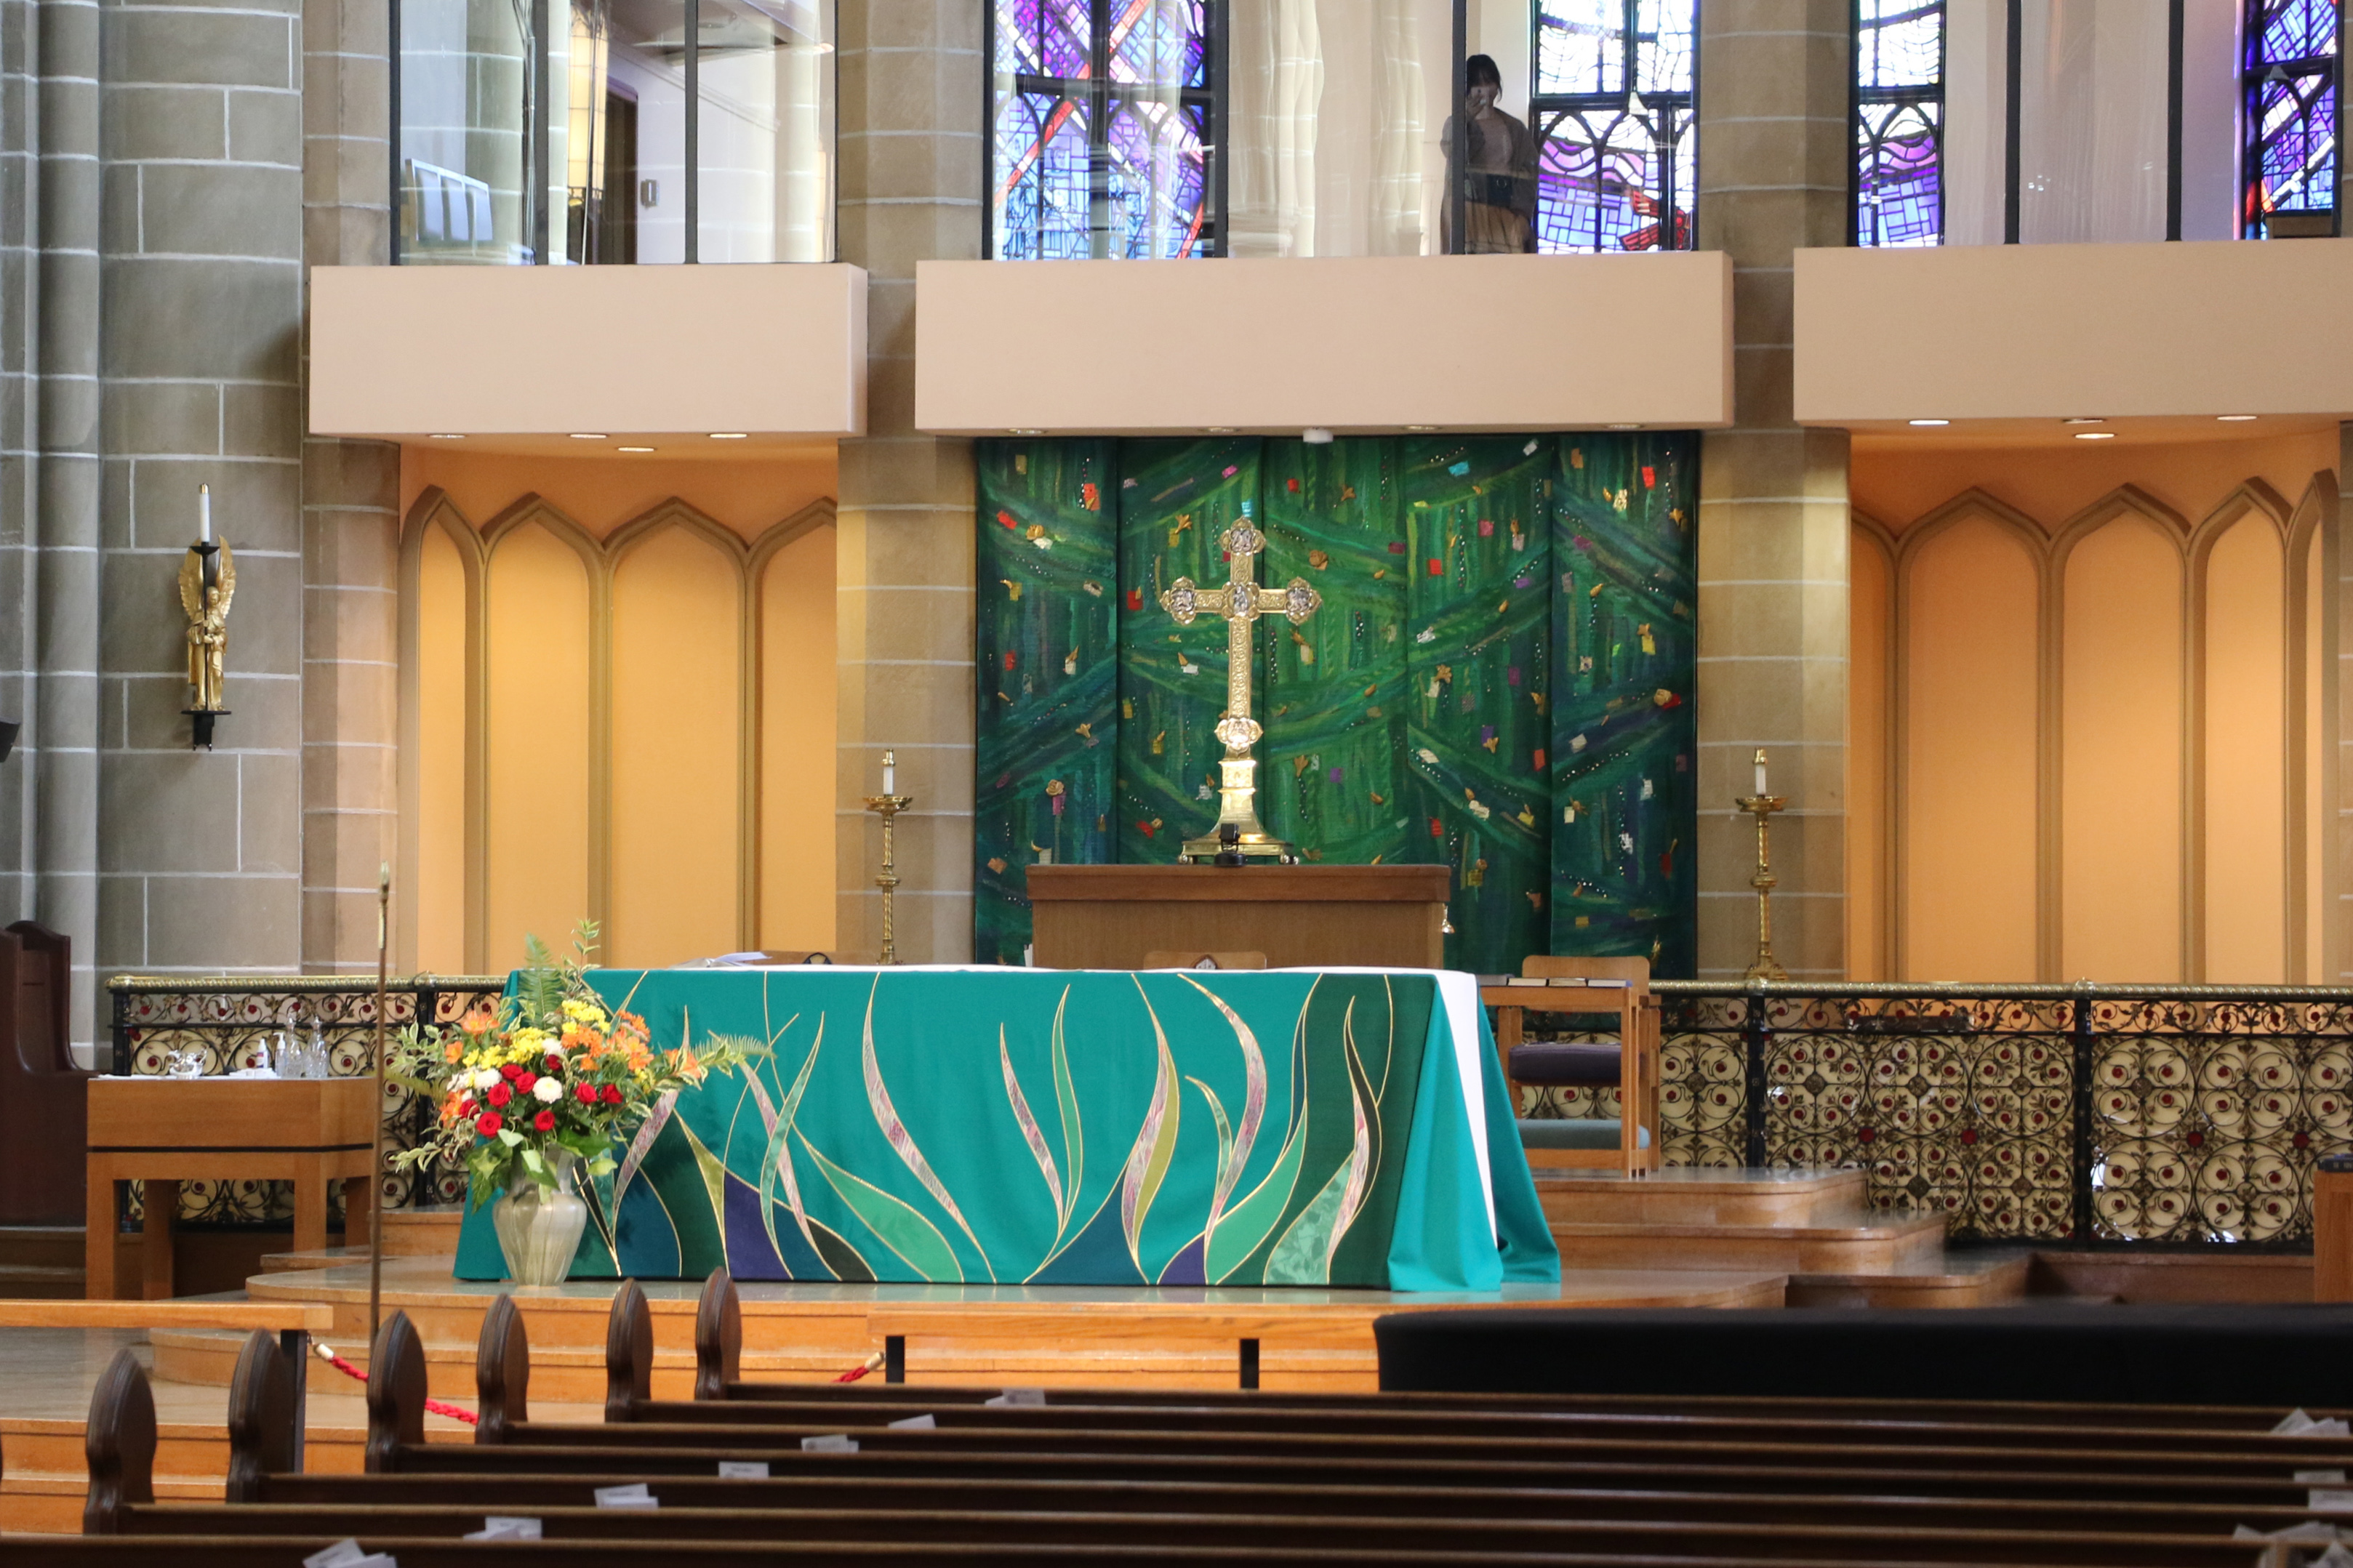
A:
(204, 718)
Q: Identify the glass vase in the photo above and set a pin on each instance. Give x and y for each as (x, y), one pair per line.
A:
(539, 1227)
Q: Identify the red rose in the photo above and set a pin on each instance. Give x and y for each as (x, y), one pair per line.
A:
(499, 1094)
(554, 1065)
(523, 1080)
(489, 1124)
(612, 1094)
(508, 1070)
(586, 1091)
(544, 1121)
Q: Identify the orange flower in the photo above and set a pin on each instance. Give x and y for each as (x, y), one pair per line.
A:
(453, 1050)
(480, 1019)
(682, 1060)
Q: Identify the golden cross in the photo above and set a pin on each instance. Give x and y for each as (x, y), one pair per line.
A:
(1240, 603)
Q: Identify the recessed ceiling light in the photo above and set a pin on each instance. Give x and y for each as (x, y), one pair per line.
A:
(2080, 420)
(2095, 435)
(637, 448)
(1625, 426)
(1216, 429)
(1421, 427)
(1927, 422)
(439, 437)
(587, 436)
(1008, 433)
(2234, 418)
(731, 435)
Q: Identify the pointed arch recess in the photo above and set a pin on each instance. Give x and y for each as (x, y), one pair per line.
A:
(1871, 755)
(1911, 841)
(434, 514)
(772, 541)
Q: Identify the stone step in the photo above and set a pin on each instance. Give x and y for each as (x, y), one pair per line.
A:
(1980, 1278)
(1699, 1196)
(1856, 1242)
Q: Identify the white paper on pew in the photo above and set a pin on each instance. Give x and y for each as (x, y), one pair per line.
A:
(634, 1495)
(339, 1555)
(2321, 1478)
(915, 1424)
(506, 1527)
(2335, 1557)
(833, 1443)
(2297, 1423)
(1019, 1396)
(2328, 1500)
(2311, 1532)
(743, 1469)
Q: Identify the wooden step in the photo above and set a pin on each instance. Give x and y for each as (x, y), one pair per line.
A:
(1699, 1196)
(1980, 1278)
(1856, 1242)
(39, 1282)
(40, 1246)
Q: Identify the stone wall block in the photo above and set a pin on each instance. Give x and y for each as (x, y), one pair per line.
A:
(168, 811)
(265, 127)
(165, 122)
(256, 505)
(270, 810)
(161, 416)
(262, 421)
(185, 44)
(229, 209)
(265, 714)
(202, 319)
(211, 923)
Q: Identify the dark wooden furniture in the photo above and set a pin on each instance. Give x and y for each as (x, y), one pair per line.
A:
(43, 1095)
(1115, 916)
(1586, 986)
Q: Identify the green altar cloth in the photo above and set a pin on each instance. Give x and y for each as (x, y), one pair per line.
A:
(1012, 1126)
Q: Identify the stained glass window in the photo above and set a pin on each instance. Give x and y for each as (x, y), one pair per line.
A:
(1617, 141)
(1100, 131)
(2288, 105)
(1899, 122)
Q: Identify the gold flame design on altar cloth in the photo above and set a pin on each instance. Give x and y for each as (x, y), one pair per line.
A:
(1239, 603)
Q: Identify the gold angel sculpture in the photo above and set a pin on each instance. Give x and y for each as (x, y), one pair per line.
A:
(206, 606)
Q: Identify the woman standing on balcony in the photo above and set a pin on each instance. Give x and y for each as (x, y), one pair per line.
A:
(1499, 179)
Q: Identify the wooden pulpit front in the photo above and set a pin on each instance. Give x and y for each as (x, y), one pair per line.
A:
(1109, 917)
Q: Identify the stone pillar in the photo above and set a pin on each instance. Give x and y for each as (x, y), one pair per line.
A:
(1773, 581)
(200, 257)
(19, 428)
(62, 722)
(351, 499)
(909, 96)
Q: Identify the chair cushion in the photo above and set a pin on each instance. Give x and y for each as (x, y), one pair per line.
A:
(1550, 1062)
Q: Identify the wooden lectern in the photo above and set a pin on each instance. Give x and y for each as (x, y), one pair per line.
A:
(1109, 917)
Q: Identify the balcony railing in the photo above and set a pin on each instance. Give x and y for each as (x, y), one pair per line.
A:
(2100, 1115)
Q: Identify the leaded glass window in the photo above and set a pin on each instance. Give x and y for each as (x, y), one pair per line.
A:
(1612, 107)
(2288, 105)
(1101, 134)
(1899, 122)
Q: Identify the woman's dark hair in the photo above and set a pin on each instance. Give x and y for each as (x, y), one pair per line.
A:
(1481, 68)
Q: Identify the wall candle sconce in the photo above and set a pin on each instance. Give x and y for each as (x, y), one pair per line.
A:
(208, 581)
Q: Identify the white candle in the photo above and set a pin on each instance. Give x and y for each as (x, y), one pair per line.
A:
(1761, 791)
(205, 513)
(889, 773)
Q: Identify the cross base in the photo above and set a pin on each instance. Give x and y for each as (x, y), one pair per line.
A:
(1263, 848)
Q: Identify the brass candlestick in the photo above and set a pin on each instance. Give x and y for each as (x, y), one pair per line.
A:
(888, 806)
(1762, 807)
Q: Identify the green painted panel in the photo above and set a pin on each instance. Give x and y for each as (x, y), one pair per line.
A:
(1047, 733)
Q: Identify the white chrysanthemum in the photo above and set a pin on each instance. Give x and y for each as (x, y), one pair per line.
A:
(547, 1091)
(486, 1077)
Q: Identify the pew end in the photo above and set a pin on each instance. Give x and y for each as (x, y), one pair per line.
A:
(395, 1394)
(628, 1352)
(502, 1373)
(120, 1444)
(718, 1337)
(265, 1416)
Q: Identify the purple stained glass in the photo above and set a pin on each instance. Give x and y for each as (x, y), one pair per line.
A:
(1899, 192)
(1129, 178)
(2290, 112)
(1616, 169)
(1899, 122)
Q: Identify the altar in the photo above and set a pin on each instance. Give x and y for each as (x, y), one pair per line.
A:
(1039, 1127)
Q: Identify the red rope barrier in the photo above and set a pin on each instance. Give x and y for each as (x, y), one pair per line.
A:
(434, 1406)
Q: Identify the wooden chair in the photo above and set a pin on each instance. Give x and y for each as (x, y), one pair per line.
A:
(1171, 958)
(1587, 985)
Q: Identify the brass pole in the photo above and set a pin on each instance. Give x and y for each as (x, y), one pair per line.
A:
(888, 807)
(375, 1160)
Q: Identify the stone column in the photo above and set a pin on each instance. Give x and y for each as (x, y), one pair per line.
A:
(909, 96)
(62, 723)
(19, 427)
(351, 499)
(201, 252)
(1773, 581)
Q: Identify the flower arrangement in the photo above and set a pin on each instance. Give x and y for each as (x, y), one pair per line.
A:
(545, 1075)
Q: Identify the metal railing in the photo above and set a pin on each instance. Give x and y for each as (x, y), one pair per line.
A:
(227, 1022)
(2102, 1115)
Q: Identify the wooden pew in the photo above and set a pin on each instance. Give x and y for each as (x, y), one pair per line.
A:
(415, 1500)
(122, 1447)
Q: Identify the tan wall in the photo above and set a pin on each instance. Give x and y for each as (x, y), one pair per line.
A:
(616, 700)
(2047, 332)
(2091, 724)
(404, 351)
(1366, 344)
